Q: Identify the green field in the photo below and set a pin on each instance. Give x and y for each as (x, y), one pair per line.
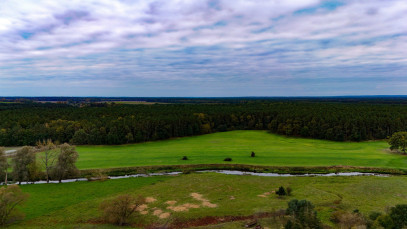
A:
(270, 149)
(72, 204)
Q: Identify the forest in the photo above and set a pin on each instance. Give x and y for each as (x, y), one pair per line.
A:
(26, 123)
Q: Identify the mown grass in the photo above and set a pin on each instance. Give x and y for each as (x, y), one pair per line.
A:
(270, 149)
(72, 204)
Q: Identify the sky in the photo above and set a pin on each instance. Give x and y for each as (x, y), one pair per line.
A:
(200, 48)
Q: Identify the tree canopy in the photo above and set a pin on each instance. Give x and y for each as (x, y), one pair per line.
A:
(398, 141)
(26, 124)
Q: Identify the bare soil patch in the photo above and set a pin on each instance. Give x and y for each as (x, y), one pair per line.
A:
(150, 199)
(204, 201)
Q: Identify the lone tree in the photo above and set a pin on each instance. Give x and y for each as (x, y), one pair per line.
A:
(23, 164)
(10, 197)
(120, 210)
(398, 141)
(49, 156)
(3, 165)
(65, 164)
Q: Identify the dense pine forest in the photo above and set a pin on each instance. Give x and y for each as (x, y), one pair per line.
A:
(25, 123)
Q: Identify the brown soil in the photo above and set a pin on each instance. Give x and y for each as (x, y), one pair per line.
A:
(164, 215)
(209, 204)
(204, 201)
(171, 202)
(150, 199)
(157, 212)
(142, 207)
(184, 207)
(178, 208)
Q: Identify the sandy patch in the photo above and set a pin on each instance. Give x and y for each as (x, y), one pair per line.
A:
(164, 215)
(142, 207)
(171, 202)
(204, 201)
(188, 205)
(197, 196)
(209, 204)
(157, 212)
(264, 195)
(150, 199)
(184, 207)
(178, 208)
(144, 212)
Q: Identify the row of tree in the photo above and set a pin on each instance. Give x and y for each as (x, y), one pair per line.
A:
(53, 162)
(25, 124)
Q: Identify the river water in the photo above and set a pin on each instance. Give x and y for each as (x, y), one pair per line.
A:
(227, 172)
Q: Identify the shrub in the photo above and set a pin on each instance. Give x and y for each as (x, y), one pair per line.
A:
(374, 215)
(227, 159)
(289, 190)
(184, 158)
(120, 210)
(97, 175)
(385, 222)
(348, 219)
(399, 215)
(302, 215)
(281, 191)
(187, 171)
(11, 197)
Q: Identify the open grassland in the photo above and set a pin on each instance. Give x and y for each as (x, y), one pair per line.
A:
(270, 149)
(206, 195)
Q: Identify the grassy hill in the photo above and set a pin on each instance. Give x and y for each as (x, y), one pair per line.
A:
(270, 149)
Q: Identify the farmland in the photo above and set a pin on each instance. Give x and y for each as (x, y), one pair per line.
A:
(270, 149)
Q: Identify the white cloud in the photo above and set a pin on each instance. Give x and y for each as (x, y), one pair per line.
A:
(242, 41)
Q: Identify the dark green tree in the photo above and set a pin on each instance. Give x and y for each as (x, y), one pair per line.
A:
(398, 141)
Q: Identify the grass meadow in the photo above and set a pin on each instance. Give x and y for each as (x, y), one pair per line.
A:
(75, 205)
(270, 149)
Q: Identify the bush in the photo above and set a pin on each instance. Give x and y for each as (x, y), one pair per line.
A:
(98, 175)
(302, 215)
(384, 221)
(374, 215)
(227, 159)
(184, 158)
(348, 219)
(281, 191)
(187, 171)
(120, 210)
(399, 215)
(11, 197)
(289, 190)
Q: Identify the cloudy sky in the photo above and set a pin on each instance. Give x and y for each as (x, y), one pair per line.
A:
(203, 47)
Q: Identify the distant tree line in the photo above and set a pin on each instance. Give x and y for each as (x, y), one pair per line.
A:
(103, 123)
